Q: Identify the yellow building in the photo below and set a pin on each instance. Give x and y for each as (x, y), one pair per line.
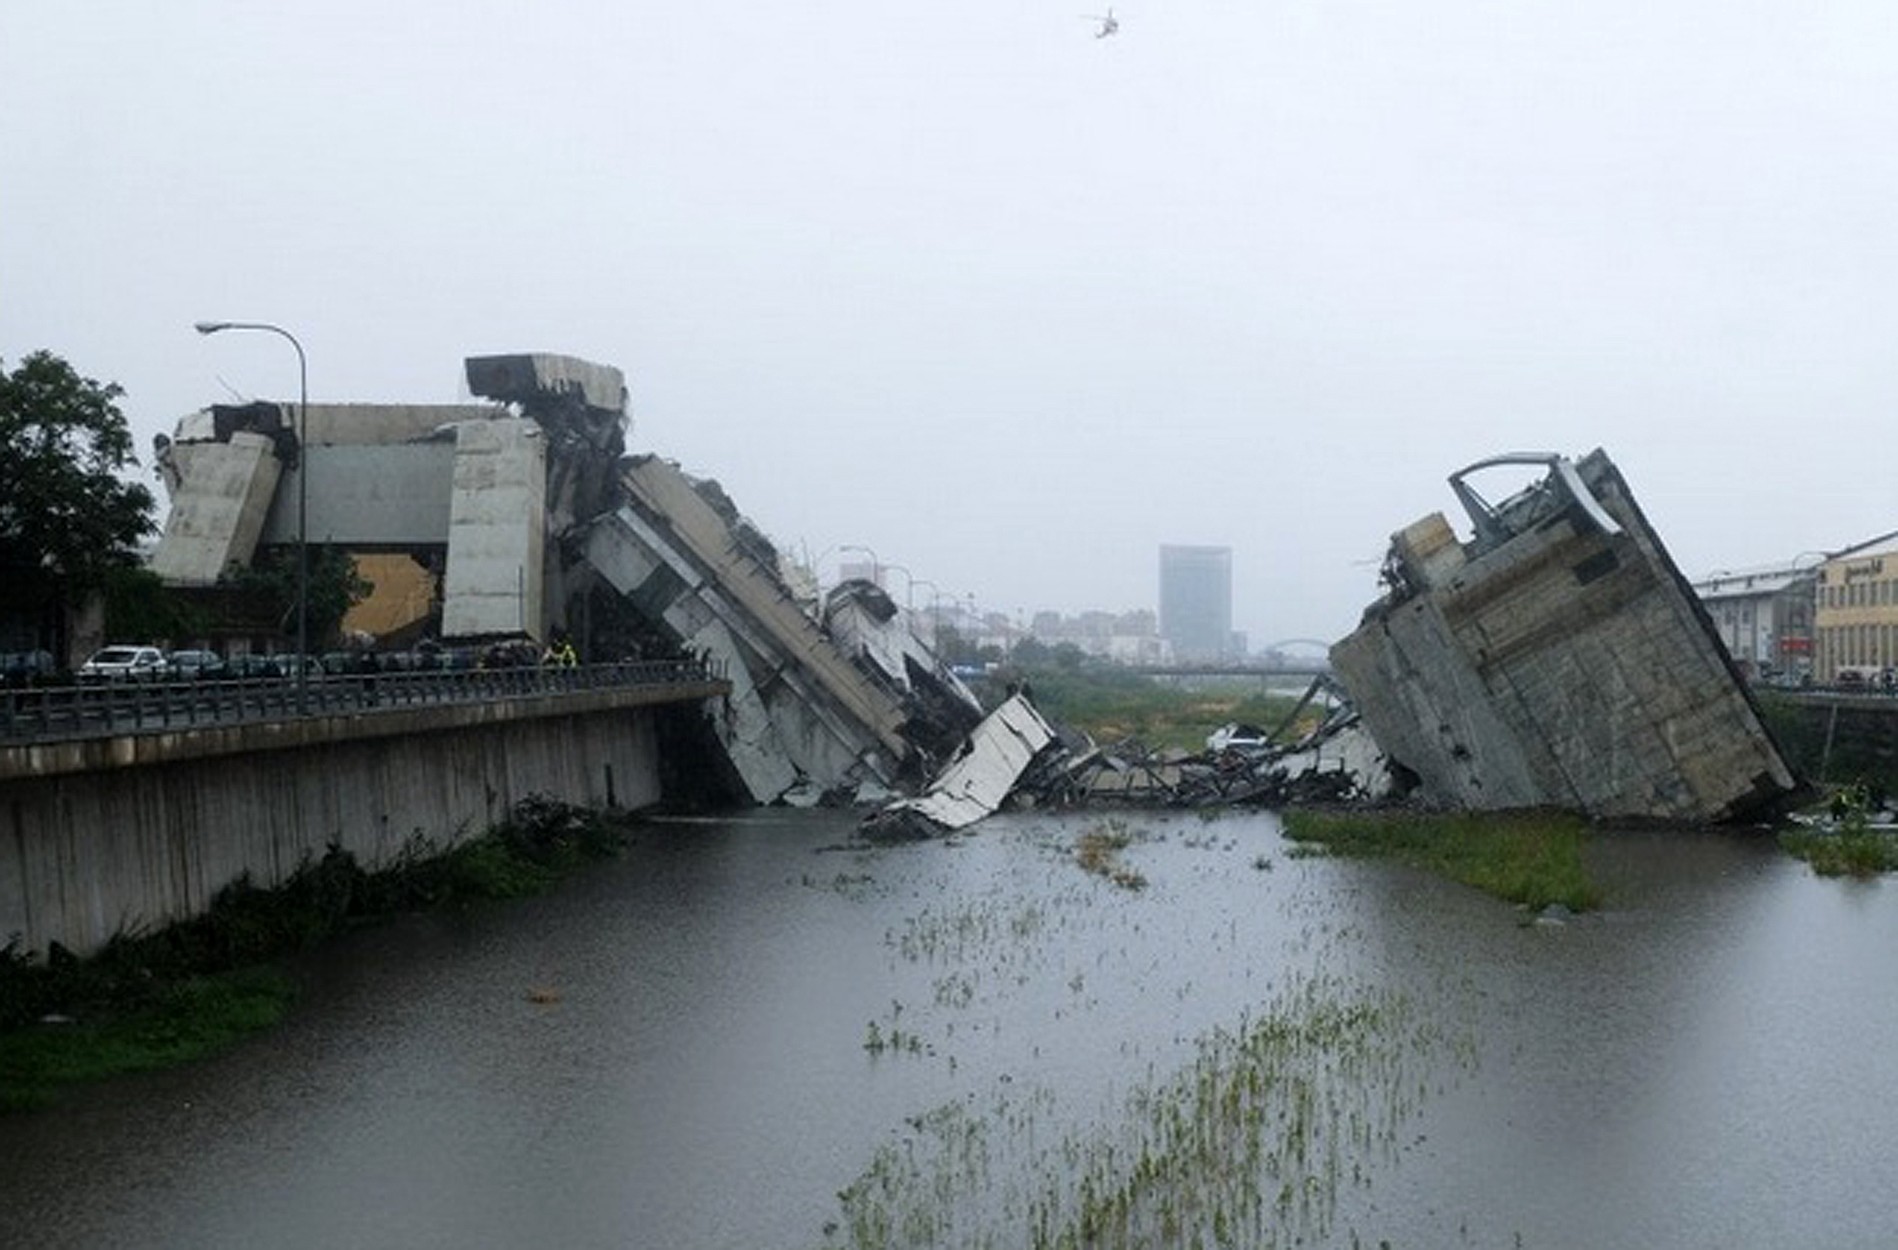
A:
(1855, 619)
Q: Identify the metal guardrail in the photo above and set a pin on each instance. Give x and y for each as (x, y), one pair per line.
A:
(64, 713)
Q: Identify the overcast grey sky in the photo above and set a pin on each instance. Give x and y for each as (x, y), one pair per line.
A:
(1010, 304)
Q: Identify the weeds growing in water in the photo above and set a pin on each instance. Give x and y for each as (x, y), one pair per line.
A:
(876, 1039)
(153, 1000)
(1532, 858)
(1844, 854)
(1098, 850)
(1252, 1143)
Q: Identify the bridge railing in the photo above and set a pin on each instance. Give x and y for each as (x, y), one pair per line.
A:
(63, 713)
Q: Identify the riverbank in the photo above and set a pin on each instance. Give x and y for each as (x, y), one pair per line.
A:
(150, 1001)
(1085, 1056)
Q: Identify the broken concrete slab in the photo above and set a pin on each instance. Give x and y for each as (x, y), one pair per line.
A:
(976, 783)
(883, 639)
(1558, 658)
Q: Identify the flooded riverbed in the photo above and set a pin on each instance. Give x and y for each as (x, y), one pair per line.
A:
(753, 1033)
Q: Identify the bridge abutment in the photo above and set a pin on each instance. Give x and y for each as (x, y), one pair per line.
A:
(127, 835)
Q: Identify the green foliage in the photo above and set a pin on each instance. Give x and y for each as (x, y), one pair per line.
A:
(334, 588)
(1851, 848)
(1853, 749)
(1844, 854)
(1532, 858)
(1111, 703)
(182, 1021)
(138, 604)
(66, 516)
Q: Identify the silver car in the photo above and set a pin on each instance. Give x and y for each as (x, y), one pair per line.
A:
(124, 664)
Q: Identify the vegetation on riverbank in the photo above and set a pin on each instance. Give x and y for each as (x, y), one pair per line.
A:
(1111, 704)
(1857, 748)
(1844, 854)
(1850, 847)
(1531, 858)
(194, 988)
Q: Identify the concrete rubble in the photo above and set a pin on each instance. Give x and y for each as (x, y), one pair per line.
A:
(982, 777)
(883, 639)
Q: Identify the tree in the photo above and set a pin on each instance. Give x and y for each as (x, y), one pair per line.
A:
(138, 604)
(334, 588)
(67, 517)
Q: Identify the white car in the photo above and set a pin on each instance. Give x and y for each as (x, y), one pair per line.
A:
(124, 664)
(1237, 737)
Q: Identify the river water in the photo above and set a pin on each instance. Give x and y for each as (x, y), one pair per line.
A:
(751, 1032)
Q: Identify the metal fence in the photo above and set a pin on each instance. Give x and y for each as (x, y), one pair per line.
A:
(63, 713)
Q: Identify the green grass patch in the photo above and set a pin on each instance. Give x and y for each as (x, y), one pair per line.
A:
(1112, 704)
(1848, 846)
(1532, 858)
(175, 1024)
(1846, 854)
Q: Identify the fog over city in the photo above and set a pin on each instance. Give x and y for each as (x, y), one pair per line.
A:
(1009, 303)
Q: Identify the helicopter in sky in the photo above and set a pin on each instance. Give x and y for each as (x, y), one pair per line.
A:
(1110, 25)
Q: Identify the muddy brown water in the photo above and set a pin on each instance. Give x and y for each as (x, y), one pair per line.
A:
(742, 1020)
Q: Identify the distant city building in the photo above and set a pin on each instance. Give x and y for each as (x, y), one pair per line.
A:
(1196, 601)
(1856, 619)
(1124, 637)
(1764, 616)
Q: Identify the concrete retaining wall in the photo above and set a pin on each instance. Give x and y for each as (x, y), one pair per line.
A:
(88, 854)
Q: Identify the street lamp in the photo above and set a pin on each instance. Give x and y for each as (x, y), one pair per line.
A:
(936, 593)
(876, 566)
(909, 584)
(303, 493)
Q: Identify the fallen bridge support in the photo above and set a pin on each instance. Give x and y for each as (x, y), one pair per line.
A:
(1558, 659)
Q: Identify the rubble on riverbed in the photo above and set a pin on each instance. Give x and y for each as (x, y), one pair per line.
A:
(1557, 659)
(1017, 759)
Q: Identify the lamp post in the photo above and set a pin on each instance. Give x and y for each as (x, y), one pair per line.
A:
(303, 493)
(909, 584)
(876, 566)
(936, 593)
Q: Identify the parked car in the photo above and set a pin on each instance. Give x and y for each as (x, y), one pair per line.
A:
(124, 664)
(349, 663)
(26, 668)
(193, 665)
(254, 667)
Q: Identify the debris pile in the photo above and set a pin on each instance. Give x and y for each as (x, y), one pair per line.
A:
(1015, 758)
(1557, 659)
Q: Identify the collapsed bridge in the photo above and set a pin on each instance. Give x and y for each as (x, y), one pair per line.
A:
(522, 518)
